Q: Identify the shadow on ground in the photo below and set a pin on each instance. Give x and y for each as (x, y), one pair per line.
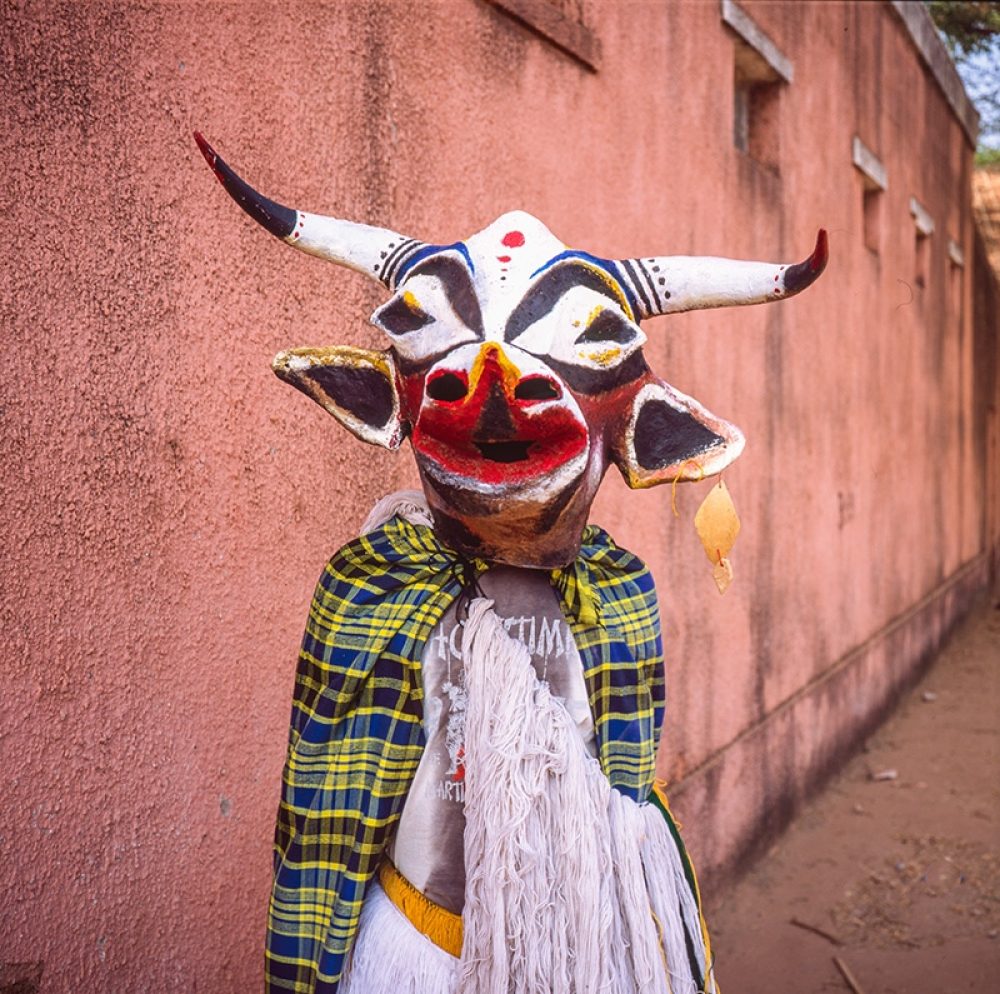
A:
(894, 870)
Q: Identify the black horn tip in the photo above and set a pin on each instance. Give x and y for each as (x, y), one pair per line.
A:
(279, 220)
(801, 275)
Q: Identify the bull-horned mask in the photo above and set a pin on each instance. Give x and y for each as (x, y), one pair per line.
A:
(516, 369)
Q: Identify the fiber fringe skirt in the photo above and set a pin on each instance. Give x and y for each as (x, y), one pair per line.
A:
(571, 887)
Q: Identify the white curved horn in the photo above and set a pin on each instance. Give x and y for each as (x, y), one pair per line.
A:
(672, 283)
(376, 252)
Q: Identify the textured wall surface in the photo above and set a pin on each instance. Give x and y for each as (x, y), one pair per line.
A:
(167, 504)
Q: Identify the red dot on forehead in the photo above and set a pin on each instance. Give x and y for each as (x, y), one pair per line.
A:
(513, 239)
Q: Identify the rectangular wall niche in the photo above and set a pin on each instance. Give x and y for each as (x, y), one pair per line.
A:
(874, 183)
(760, 72)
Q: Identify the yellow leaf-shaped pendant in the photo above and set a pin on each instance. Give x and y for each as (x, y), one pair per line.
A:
(723, 574)
(717, 525)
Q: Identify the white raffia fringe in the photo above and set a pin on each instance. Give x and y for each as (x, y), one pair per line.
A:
(670, 894)
(571, 888)
(391, 957)
(409, 504)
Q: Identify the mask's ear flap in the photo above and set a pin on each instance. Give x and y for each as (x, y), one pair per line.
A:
(669, 436)
(356, 386)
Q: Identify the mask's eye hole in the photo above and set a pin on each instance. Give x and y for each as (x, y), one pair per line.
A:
(447, 387)
(536, 388)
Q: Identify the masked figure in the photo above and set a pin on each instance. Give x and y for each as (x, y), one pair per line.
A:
(469, 801)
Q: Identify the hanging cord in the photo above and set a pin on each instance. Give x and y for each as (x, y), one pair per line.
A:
(464, 571)
(677, 478)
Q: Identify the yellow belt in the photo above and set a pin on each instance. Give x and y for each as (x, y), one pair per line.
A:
(442, 927)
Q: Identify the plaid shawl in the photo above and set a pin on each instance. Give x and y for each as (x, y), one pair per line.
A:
(357, 735)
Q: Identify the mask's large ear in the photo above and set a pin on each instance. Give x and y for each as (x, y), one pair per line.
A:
(356, 386)
(668, 436)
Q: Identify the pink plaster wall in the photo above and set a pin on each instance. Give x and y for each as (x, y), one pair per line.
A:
(167, 504)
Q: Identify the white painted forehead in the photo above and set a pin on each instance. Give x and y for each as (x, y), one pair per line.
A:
(512, 249)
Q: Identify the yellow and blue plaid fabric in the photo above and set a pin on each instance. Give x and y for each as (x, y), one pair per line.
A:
(357, 734)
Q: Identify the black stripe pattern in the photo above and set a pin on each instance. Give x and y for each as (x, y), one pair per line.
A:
(648, 286)
(394, 255)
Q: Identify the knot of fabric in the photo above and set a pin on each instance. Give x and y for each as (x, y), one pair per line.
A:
(467, 573)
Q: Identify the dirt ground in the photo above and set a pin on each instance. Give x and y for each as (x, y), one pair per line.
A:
(895, 868)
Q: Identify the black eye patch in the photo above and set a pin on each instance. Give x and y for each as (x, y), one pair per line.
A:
(608, 327)
(457, 285)
(545, 294)
(398, 317)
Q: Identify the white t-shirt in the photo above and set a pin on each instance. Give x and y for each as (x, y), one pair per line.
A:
(428, 848)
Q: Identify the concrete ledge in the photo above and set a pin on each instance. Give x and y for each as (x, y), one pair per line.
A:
(921, 218)
(741, 797)
(745, 26)
(928, 43)
(870, 165)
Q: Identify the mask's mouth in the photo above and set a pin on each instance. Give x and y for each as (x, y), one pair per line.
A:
(500, 434)
(547, 452)
(504, 452)
(510, 463)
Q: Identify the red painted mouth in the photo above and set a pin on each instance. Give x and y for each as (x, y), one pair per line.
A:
(539, 447)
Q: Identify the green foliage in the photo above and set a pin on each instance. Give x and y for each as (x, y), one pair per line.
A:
(967, 27)
(988, 158)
